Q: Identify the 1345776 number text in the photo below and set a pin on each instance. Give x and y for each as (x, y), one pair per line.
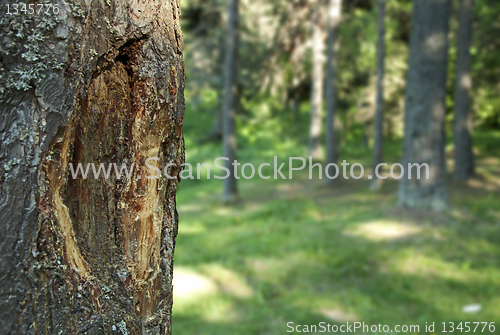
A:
(31, 9)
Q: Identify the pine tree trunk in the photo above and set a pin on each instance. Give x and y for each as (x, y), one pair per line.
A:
(217, 127)
(216, 132)
(464, 158)
(100, 82)
(231, 92)
(317, 88)
(424, 140)
(334, 15)
(379, 103)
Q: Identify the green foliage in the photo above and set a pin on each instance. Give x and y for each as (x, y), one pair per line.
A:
(275, 61)
(485, 53)
(296, 250)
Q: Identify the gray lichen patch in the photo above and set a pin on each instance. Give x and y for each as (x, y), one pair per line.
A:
(27, 37)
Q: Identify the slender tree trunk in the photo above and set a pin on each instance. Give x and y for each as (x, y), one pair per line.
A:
(219, 116)
(231, 93)
(317, 87)
(379, 103)
(424, 140)
(217, 127)
(464, 158)
(334, 15)
(366, 134)
(102, 82)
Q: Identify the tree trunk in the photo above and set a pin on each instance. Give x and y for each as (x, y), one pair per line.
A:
(231, 93)
(366, 134)
(379, 103)
(317, 87)
(425, 106)
(100, 82)
(216, 132)
(218, 125)
(464, 158)
(334, 15)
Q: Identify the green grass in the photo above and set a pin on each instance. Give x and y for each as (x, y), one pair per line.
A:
(297, 251)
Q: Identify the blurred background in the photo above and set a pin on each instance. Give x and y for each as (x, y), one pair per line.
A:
(329, 79)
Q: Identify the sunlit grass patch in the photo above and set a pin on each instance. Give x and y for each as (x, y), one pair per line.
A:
(383, 230)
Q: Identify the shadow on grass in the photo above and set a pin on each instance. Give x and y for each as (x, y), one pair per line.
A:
(305, 253)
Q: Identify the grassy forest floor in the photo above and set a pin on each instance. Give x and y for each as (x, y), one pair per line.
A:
(298, 251)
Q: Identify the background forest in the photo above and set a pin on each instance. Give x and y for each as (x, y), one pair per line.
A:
(304, 251)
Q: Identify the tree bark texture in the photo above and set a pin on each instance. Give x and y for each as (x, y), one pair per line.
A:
(317, 87)
(379, 103)
(334, 15)
(464, 158)
(424, 140)
(100, 82)
(230, 96)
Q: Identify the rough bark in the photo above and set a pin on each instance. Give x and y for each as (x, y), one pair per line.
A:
(100, 82)
(424, 140)
(230, 96)
(379, 103)
(334, 15)
(317, 87)
(464, 158)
